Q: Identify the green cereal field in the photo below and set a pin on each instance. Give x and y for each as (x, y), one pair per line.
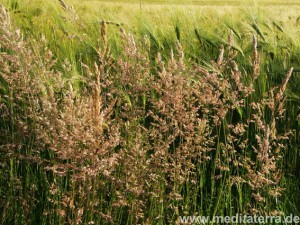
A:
(149, 112)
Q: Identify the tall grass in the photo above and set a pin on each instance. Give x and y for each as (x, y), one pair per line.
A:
(143, 137)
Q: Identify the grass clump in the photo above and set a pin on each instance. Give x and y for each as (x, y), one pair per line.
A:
(137, 141)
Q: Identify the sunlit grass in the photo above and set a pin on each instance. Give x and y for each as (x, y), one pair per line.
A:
(112, 99)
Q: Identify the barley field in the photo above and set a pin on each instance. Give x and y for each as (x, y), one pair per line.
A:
(142, 112)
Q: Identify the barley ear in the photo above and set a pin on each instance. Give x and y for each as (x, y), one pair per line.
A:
(256, 59)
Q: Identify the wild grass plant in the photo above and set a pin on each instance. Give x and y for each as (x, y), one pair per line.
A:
(143, 137)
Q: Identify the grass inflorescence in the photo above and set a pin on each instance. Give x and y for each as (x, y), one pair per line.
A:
(142, 129)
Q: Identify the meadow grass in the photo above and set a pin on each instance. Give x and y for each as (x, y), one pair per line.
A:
(139, 112)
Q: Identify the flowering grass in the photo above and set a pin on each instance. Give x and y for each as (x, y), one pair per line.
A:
(144, 135)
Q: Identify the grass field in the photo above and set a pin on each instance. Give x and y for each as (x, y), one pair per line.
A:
(139, 112)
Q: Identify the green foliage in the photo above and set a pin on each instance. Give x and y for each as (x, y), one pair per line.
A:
(117, 128)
